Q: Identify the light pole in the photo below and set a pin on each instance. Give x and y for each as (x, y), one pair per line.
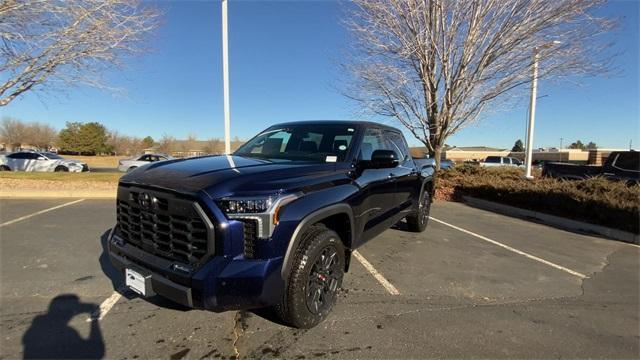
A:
(532, 107)
(225, 79)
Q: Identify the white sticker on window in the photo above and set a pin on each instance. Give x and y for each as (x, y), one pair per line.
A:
(331, 158)
(350, 129)
(342, 147)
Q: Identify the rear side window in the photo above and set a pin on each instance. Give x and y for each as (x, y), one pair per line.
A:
(21, 156)
(399, 144)
(628, 161)
(493, 159)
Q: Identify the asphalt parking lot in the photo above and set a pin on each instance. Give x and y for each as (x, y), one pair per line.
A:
(474, 285)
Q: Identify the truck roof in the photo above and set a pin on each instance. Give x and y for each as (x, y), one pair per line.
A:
(355, 123)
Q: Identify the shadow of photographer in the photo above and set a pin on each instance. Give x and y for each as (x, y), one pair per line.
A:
(51, 337)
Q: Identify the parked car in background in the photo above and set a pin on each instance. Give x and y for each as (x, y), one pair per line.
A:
(127, 165)
(40, 161)
(491, 161)
(620, 165)
(446, 164)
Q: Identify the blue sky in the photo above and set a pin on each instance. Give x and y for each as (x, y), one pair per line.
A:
(282, 68)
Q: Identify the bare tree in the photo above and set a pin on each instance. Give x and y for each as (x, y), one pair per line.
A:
(167, 144)
(40, 135)
(13, 132)
(436, 66)
(190, 143)
(214, 146)
(72, 42)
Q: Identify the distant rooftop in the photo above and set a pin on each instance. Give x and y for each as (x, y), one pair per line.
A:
(474, 148)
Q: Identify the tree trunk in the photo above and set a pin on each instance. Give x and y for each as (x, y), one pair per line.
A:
(436, 155)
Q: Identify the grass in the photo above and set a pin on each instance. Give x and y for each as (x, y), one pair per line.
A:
(61, 176)
(596, 200)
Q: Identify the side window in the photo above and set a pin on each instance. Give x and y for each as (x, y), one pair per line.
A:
(506, 161)
(373, 140)
(516, 162)
(144, 158)
(399, 145)
(628, 161)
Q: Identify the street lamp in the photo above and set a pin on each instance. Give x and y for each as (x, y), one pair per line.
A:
(225, 79)
(532, 106)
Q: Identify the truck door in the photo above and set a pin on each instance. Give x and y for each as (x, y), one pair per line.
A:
(405, 173)
(376, 199)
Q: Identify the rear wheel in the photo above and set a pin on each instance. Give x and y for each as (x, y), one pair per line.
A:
(61, 168)
(5, 168)
(418, 221)
(316, 275)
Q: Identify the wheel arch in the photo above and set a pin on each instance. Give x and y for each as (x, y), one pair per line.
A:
(337, 217)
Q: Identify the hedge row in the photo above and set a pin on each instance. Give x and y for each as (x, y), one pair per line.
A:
(597, 200)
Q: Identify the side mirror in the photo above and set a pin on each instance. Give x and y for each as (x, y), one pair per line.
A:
(381, 159)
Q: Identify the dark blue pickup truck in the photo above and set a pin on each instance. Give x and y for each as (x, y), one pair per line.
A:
(273, 224)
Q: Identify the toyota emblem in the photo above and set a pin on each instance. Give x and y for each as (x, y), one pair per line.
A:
(146, 201)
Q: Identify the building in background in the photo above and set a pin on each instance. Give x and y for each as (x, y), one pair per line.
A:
(479, 153)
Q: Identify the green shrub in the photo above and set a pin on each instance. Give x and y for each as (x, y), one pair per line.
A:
(596, 200)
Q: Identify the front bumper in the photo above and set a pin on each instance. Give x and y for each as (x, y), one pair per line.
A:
(222, 283)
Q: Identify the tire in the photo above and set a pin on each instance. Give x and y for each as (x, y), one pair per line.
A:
(418, 221)
(5, 168)
(132, 168)
(61, 169)
(316, 275)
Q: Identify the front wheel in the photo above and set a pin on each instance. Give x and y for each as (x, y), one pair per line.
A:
(61, 169)
(418, 221)
(316, 276)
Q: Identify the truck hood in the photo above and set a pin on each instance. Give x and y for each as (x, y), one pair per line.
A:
(220, 176)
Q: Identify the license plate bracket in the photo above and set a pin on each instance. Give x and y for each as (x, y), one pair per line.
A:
(138, 282)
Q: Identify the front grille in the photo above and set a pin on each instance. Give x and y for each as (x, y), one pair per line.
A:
(163, 225)
(250, 235)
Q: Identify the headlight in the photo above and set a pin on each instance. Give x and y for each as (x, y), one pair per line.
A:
(263, 209)
(246, 206)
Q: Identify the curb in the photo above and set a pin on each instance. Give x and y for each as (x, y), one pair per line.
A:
(42, 194)
(553, 220)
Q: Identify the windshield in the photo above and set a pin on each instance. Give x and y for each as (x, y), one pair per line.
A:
(52, 156)
(316, 143)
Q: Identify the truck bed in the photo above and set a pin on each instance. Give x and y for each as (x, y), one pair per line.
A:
(570, 171)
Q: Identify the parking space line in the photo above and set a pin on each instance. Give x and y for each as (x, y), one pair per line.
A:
(381, 279)
(532, 257)
(39, 212)
(104, 308)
